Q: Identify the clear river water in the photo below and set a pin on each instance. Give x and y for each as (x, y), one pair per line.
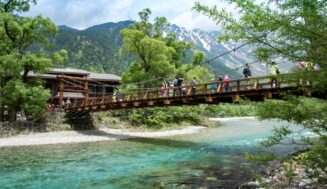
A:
(211, 158)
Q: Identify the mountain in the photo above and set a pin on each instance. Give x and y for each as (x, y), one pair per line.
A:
(97, 49)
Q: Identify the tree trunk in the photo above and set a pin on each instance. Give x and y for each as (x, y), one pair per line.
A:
(2, 112)
(12, 114)
(2, 109)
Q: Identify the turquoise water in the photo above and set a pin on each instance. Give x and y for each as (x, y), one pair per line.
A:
(211, 158)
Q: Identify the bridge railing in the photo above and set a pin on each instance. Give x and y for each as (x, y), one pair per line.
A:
(209, 88)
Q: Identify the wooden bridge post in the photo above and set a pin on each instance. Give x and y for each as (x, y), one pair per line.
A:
(61, 92)
(219, 88)
(238, 86)
(206, 88)
(86, 89)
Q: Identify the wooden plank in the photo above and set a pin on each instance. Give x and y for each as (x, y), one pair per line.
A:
(61, 93)
(166, 102)
(136, 104)
(268, 95)
(150, 103)
(209, 99)
(185, 101)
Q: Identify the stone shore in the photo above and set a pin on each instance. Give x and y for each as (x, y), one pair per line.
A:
(103, 134)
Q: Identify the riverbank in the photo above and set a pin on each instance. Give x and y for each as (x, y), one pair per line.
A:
(102, 134)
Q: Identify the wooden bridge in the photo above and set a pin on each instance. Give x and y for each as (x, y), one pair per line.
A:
(255, 89)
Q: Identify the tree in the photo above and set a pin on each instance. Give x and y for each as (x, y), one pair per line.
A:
(296, 30)
(156, 56)
(18, 35)
(288, 28)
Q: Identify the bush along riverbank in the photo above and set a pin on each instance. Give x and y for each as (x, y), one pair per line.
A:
(289, 174)
(172, 117)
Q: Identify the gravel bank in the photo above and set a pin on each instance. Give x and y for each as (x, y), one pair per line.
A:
(62, 137)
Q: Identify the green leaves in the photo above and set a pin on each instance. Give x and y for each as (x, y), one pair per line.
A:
(291, 29)
(18, 36)
(158, 117)
(155, 55)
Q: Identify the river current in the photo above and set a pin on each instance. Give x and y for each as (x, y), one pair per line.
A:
(211, 158)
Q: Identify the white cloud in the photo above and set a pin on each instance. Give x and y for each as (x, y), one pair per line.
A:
(81, 14)
(191, 20)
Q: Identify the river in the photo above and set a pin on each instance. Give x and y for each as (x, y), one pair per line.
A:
(211, 158)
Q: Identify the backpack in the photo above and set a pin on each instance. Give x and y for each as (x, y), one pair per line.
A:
(277, 71)
(176, 82)
(244, 71)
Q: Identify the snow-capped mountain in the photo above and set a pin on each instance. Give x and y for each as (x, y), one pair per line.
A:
(235, 60)
(207, 42)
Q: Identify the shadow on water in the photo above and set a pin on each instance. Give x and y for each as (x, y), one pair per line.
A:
(204, 147)
(168, 142)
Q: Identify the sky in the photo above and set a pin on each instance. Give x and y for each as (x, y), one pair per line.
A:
(81, 14)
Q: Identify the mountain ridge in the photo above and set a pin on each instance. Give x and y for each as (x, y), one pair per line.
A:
(96, 48)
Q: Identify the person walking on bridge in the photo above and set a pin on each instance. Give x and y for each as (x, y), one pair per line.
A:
(193, 83)
(226, 83)
(247, 71)
(274, 71)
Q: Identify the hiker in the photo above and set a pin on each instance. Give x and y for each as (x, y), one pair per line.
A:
(179, 84)
(316, 67)
(193, 83)
(162, 90)
(220, 78)
(184, 88)
(68, 102)
(213, 86)
(247, 71)
(175, 83)
(226, 83)
(274, 71)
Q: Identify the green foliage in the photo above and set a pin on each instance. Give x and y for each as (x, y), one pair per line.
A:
(292, 29)
(296, 30)
(156, 118)
(154, 55)
(18, 36)
(202, 74)
(230, 110)
(259, 156)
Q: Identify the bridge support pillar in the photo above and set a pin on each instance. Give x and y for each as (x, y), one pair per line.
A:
(236, 98)
(136, 104)
(307, 93)
(268, 95)
(166, 102)
(209, 99)
(185, 101)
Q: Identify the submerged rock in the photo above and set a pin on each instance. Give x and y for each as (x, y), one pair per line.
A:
(250, 185)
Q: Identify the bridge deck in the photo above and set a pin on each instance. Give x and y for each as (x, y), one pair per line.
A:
(256, 89)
